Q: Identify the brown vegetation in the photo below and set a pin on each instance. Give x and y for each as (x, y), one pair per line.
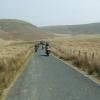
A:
(83, 51)
(11, 29)
(12, 57)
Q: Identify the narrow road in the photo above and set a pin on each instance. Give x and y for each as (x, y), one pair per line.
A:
(46, 78)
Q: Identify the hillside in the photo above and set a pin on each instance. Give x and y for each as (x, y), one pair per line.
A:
(17, 29)
(93, 28)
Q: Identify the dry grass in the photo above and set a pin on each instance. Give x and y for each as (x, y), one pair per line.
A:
(12, 57)
(83, 51)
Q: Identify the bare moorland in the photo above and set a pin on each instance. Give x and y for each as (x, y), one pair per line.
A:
(13, 29)
(82, 50)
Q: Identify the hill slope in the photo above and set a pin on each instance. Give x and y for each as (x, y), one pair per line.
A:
(17, 29)
(93, 28)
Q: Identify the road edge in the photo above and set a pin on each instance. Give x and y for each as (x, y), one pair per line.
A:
(6, 91)
(93, 79)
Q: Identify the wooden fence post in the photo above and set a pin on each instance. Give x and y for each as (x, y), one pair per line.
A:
(79, 53)
(73, 52)
(93, 56)
(85, 58)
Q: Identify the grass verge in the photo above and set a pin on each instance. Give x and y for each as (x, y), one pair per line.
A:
(12, 58)
(83, 52)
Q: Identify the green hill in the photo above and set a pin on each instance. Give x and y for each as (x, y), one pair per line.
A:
(93, 28)
(17, 29)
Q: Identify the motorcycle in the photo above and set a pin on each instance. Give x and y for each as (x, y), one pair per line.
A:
(48, 52)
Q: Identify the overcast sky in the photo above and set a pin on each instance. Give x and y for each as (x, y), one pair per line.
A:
(52, 12)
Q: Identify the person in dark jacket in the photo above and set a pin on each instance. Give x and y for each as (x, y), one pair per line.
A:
(47, 50)
(36, 47)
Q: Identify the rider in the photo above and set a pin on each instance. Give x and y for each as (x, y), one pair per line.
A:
(36, 47)
(47, 49)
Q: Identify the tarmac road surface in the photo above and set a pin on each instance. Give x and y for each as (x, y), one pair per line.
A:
(47, 78)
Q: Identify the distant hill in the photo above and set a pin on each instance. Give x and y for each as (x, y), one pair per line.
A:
(93, 28)
(17, 29)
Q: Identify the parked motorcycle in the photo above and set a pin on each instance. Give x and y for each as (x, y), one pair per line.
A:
(48, 52)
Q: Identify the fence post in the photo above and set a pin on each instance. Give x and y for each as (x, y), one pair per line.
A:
(93, 56)
(86, 58)
(73, 52)
(79, 53)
